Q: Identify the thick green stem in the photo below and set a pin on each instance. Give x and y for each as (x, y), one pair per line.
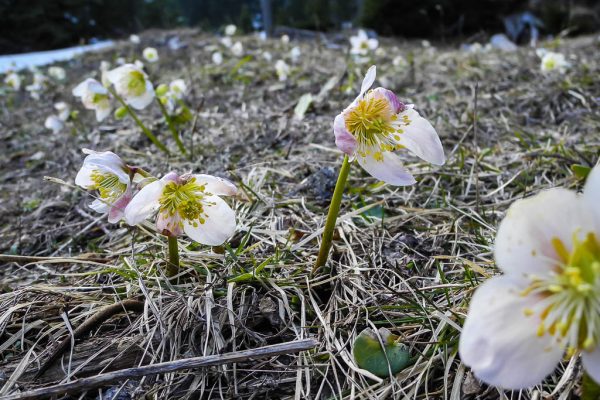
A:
(172, 128)
(146, 131)
(173, 264)
(590, 389)
(334, 209)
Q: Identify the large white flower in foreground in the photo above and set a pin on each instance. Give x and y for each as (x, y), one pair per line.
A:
(133, 85)
(361, 44)
(547, 303)
(94, 96)
(376, 124)
(187, 203)
(111, 177)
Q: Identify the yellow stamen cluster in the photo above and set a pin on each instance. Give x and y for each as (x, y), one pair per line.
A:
(108, 185)
(137, 83)
(186, 200)
(570, 305)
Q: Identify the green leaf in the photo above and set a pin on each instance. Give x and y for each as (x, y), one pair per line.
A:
(580, 171)
(303, 104)
(369, 354)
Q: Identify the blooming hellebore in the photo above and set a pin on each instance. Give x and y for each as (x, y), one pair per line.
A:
(57, 73)
(111, 177)
(237, 49)
(13, 80)
(94, 96)
(133, 85)
(150, 54)
(54, 123)
(189, 204)
(230, 30)
(547, 302)
(552, 61)
(376, 124)
(282, 69)
(361, 44)
(64, 110)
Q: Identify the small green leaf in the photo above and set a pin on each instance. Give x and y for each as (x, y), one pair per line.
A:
(580, 171)
(369, 354)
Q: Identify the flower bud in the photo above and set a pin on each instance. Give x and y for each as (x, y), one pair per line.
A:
(120, 113)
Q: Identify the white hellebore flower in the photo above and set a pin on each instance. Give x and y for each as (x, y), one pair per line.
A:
(230, 30)
(376, 124)
(13, 80)
(177, 88)
(295, 54)
(282, 70)
(150, 54)
(267, 56)
(361, 44)
(547, 303)
(553, 62)
(133, 85)
(226, 41)
(39, 81)
(400, 62)
(135, 39)
(54, 123)
(57, 73)
(217, 58)
(64, 110)
(94, 96)
(187, 203)
(285, 39)
(111, 177)
(237, 49)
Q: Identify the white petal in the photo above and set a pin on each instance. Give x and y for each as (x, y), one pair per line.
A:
(108, 161)
(500, 343)
(216, 185)
(591, 194)
(389, 170)
(84, 176)
(421, 138)
(102, 113)
(145, 203)
(591, 363)
(524, 239)
(99, 206)
(218, 226)
(368, 80)
(141, 102)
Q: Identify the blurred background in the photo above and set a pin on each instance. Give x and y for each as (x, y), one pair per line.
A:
(28, 25)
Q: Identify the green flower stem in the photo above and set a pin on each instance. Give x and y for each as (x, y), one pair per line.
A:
(146, 131)
(334, 209)
(171, 127)
(590, 389)
(173, 264)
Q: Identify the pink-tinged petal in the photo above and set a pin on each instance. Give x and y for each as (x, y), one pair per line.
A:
(396, 105)
(524, 238)
(99, 206)
(215, 185)
(144, 203)
(591, 193)
(219, 224)
(117, 210)
(389, 169)
(343, 139)
(368, 80)
(499, 339)
(591, 363)
(420, 138)
(102, 113)
(169, 225)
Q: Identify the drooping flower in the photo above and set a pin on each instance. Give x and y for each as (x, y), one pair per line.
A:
(64, 110)
(95, 97)
(111, 177)
(547, 302)
(227, 42)
(150, 54)
(282, 70)
(177, 88)
(376, 124)
(133, 85)
(187, 204)
(169, 95)
(57, 73)
(237, 49)
(295, 54)
(267, 56)
(135, 39)
(217, 58)
(13, 80)
(285, 39)
(54, 123)
(230, 30)
(39, 82)
(361, 45)
(552, 62)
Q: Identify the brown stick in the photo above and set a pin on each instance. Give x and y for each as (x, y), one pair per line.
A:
(85, 384)
(94, 321)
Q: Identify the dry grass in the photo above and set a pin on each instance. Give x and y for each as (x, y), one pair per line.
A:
(404, 258)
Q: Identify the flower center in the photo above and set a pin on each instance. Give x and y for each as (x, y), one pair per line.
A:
(108, 185)
(186, 200)
(137, 83)
(571, 295)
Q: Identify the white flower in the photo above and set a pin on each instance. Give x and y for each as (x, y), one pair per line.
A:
(94, 96)
(187, 203)
(150, 54)
(267, 56)
(400, 62)
(13, 80)
(285, 39)
(111, 177)
(54, 123)
(376, 124)
(552, 61)
(57, 73)
(135, 39)
(282, 70)
(64, 110)
(226, 41)
(295, 54)
(217, 58)
(230, 30)
(547, 302)
(39, 82)
(361, 44)
(177, 88)
(237, 49)
(133, 85)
